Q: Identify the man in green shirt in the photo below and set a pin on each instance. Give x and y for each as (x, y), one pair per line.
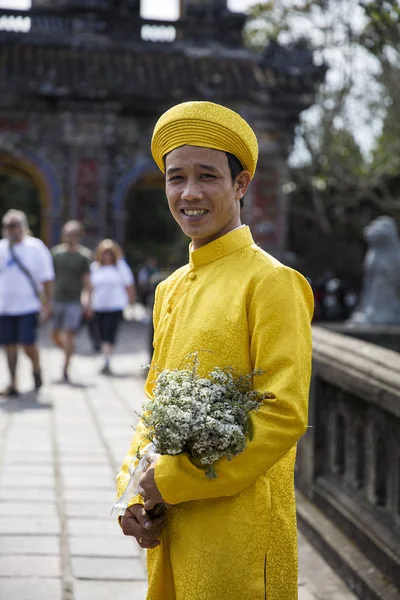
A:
(72, 277)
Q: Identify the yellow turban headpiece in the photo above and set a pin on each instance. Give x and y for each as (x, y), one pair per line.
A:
(207, 125)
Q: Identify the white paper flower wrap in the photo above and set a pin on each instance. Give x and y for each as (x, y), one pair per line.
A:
(136, 469)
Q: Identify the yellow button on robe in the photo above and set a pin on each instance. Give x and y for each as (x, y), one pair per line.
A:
(233, 537)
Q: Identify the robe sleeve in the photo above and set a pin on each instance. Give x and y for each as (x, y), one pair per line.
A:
(139, 438)
(279, 317)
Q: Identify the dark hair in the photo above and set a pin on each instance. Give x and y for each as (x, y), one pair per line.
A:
(235, 168)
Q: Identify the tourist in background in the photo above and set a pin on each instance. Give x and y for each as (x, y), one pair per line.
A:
(112, 289)
(26, 276)
(72, 278)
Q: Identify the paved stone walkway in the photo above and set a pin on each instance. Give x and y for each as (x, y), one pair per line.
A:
(59, 453)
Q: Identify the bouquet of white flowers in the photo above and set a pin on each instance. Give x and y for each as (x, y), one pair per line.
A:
(206, 417)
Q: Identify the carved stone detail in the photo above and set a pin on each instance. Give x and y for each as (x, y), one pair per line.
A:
(380, 297)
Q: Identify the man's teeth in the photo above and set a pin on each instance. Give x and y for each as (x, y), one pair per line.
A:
(195, 213)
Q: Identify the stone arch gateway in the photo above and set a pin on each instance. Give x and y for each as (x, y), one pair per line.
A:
(39, 171)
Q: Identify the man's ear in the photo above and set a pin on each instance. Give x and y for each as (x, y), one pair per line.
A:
(241, 184)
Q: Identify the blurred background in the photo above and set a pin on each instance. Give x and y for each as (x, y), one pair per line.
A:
(82, 83)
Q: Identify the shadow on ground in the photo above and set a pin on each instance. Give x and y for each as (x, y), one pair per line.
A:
(24, 401)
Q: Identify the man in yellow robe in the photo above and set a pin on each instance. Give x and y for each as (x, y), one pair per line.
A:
(233, 537)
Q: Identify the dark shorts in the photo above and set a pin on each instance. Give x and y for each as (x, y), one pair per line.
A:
(18, 329)
(107, 324)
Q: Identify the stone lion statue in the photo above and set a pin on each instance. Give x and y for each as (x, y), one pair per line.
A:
(380, 297)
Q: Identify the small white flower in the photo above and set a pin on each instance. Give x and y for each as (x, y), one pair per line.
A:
(205, 417)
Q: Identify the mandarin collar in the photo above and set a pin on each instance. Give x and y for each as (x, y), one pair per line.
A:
(226, 244)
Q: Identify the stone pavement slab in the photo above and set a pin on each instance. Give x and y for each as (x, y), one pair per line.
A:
(305, 594)
(28, 509)
(68, 442)
(33, 525)
(33, 544)
(35, 495)
(23, 470)
(29, 566)
(98, 510)
(94, 527)
(122, 547)
(12, 588)
(24, 462)
(97, 473)
(317, 581)
(115, 590)
(75, 482)
(16, 481)
(117, 569)
(89, 496)
(70, 459)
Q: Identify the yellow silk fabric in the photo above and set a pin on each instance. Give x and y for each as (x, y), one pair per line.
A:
(234, 537)
(207, 125)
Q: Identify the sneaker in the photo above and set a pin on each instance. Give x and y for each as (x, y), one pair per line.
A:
(37, 376)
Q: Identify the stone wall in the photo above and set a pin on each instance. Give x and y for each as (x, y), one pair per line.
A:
(349, 461)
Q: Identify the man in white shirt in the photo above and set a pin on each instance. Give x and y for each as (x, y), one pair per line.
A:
(26, 276)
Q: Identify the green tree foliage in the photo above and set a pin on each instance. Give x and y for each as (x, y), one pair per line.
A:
(382, 37)
(383, 27)
(336, 186)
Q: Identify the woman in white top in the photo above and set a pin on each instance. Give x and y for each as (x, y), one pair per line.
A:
(113, 288)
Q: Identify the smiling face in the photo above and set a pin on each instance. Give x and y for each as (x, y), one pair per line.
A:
(202, 197)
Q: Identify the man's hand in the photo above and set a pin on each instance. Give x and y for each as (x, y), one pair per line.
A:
(46, 311)
(136, 522)
(148, 489)
(88, 313)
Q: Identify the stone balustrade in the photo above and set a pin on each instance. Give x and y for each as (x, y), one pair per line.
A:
(349, 461)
